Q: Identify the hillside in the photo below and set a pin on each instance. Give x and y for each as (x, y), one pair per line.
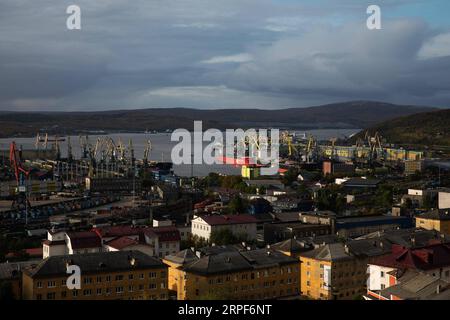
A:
(357, 114)
(429, 128)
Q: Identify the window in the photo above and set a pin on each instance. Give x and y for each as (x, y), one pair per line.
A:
(130, 277)
(130, 288)
(152, 275)
(382, 274)
(39, 296)
(163, 274)
(51, 284)
(119, 277)
(108, 278)
(152, 286)
(63, 294)
(51, 296)
(87, 280)
(383, 286)
(99, 279)
(119, 290)
(308, 283)
(99, 291)
(63, 282)
(39, 284)
(141, 276)
(74, 293)
(87, 292)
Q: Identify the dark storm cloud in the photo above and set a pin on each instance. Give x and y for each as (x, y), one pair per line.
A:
(206, 54)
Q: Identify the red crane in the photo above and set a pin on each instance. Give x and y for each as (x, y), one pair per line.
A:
(21, 175)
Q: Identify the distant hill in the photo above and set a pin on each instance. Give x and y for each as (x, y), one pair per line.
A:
(429, 128)
(356, 114)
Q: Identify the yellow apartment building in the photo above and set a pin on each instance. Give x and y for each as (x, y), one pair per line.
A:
(119, 275)
(229, 273)
(332, 273)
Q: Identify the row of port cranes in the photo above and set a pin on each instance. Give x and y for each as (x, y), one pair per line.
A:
(367, 149)
(100, 157)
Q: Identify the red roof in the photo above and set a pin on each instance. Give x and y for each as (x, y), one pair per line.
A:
(424, 258)
(84, 239)
(119, 231)
(122, 242)
(169, 233)
(34, 251)
(229, 219)
(54, 243)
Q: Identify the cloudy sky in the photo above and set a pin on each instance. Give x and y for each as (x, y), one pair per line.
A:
(221, 54)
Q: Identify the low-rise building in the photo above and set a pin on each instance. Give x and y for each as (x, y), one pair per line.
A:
(438, 220)
(104, 276)
(63, 243)
(242, 226)
(228, 273)
(444, 199)
(414, 166)
(276, 232)
(387, 271)
(337, 168)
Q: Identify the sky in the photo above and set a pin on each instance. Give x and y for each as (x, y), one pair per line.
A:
(209, 54)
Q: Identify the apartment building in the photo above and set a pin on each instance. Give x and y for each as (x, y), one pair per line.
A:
(332, 272)
(117, 275)
(243, 226)
(229, 273)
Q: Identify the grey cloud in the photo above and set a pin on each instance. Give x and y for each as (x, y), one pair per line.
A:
(128, 50)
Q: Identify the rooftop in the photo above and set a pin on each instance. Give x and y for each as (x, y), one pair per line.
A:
(84, 239)
(229, 259)
(91, 263)
(424, 258)
(436, 215)
(329, 252)
(228, 219)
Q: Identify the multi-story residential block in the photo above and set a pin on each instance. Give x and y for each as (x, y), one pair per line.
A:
(104, 276)
(430, 262)
(229, 273)
(243, 226)
(332, 272)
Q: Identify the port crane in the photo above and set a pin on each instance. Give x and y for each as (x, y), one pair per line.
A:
(21, 174)
(147, 150)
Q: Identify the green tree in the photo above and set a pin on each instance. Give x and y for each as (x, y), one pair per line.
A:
(223, 237)
(237, 205)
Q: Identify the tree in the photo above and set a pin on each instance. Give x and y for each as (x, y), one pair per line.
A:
(383, 196)
(330, 199)
(237, 205)
(225, 237)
